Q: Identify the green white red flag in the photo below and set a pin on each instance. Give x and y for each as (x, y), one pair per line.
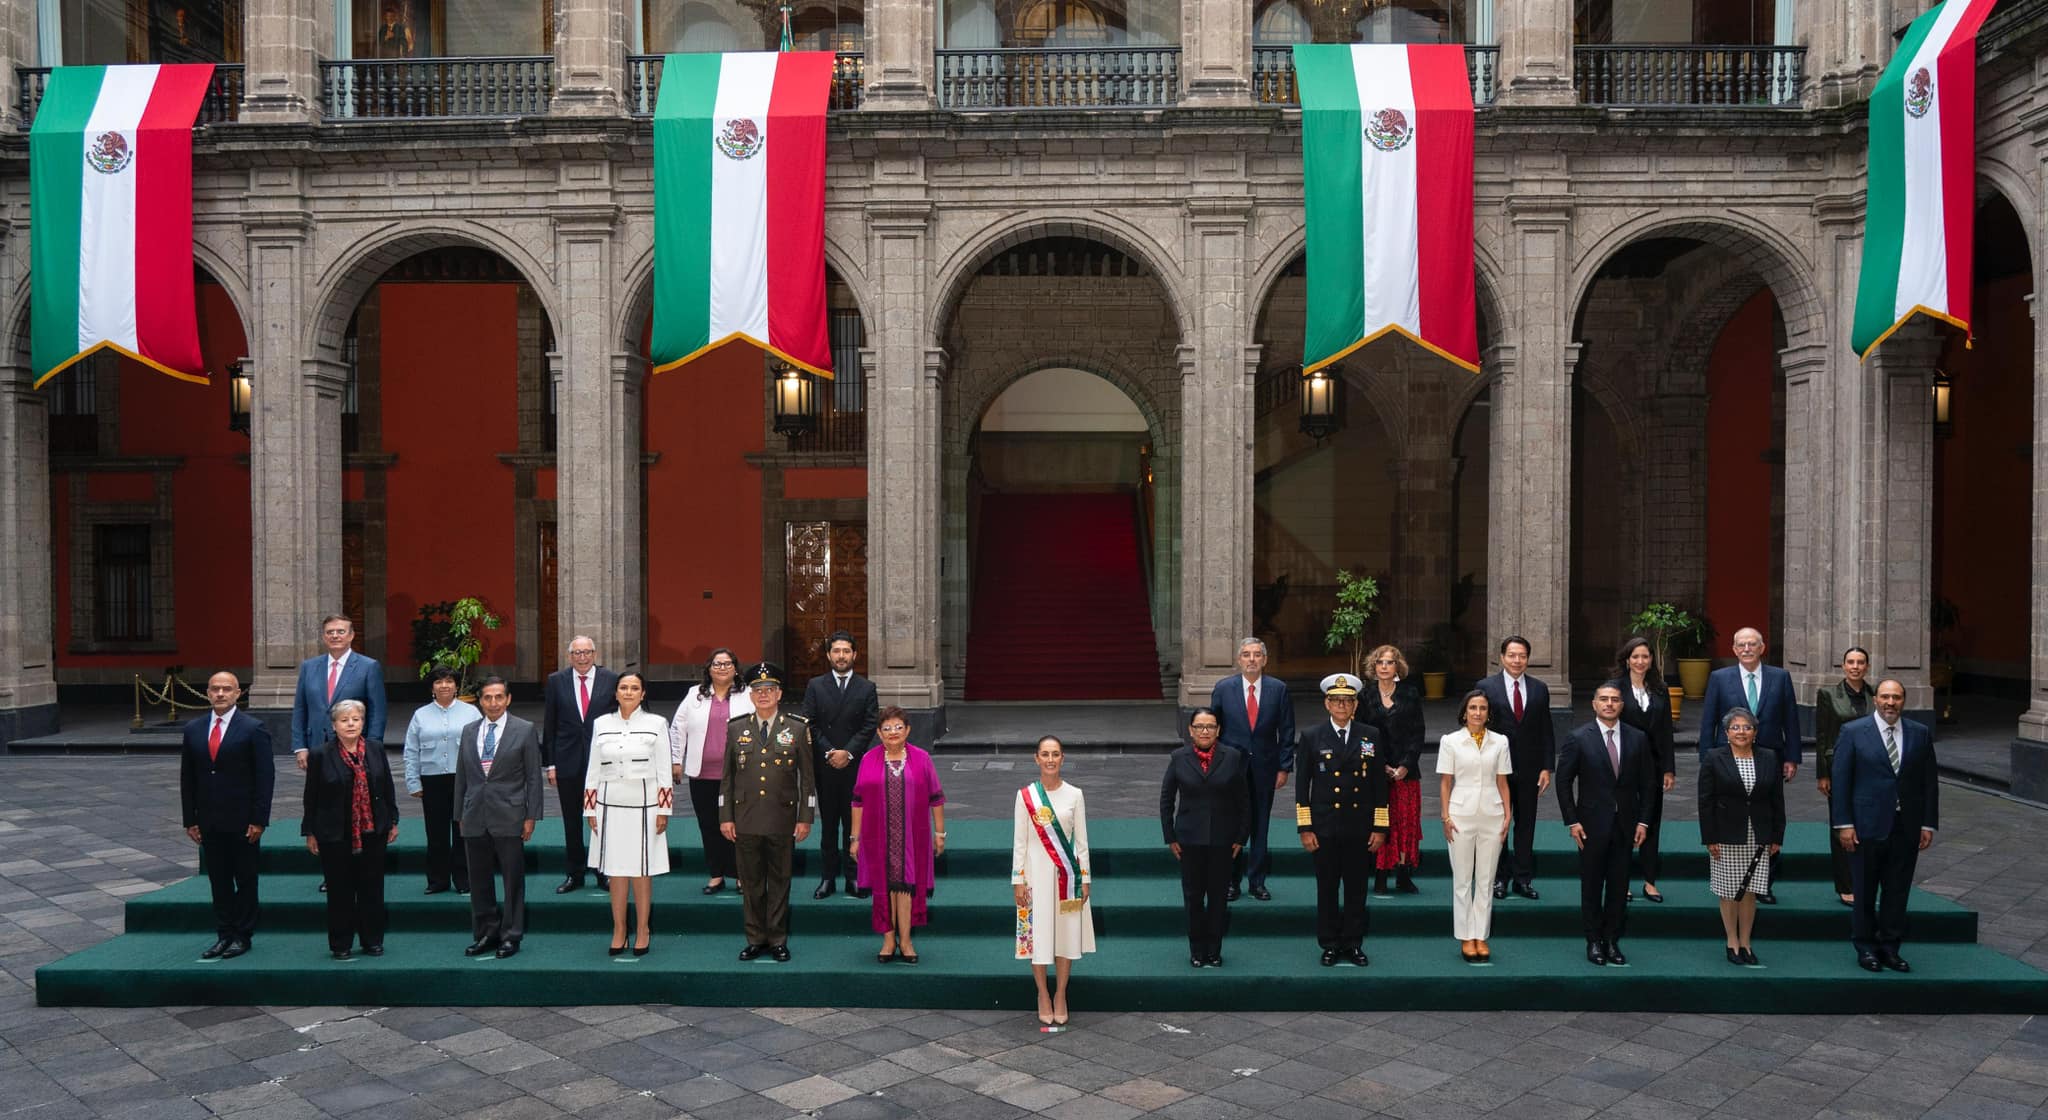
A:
(110, 196)
(1922, 200)
(1386, 147)
(739, 206)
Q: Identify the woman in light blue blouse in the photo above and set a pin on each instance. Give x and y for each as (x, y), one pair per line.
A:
(430, 776)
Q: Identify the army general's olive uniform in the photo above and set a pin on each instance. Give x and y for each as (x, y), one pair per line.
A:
(767, 790)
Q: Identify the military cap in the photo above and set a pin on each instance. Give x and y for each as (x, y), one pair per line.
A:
(1340, 684)
(763, 674)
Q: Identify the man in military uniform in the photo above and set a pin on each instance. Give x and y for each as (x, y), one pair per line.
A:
(1341, 812)
(765, 803)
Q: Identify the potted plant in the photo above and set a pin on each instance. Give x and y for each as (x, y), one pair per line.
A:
(1660, 622)
(1433, 661)
(445, 636)
(1357, 602)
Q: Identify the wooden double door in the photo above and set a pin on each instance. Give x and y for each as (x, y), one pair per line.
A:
(826, 568)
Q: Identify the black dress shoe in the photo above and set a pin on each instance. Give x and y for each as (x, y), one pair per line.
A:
(480, 946)
(1358, 957)
(752, 951)
(508, 949)
(1231, 895)
(1894, 962)
(234, 950)
(1614, 953)
(714, 888)
(373, 950)
(213, 951)
(342, 955)
(1215, 960)
(1749, 958)
(432, 889)
(1500, 889)
(1329, 958)
(1766, 898)
(604, 881)
(1197, 962)
(462, 888)
(1261, 893)
(826, 889)
(323, 886)
(854, 889)
(780, 953)
(1596, 953)
(572, 883)
(1869, 962)
(1527, 891)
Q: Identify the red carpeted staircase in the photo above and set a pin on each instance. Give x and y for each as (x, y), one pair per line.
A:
(1059, 601)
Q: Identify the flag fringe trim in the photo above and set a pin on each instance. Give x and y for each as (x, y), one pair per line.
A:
(60, 367)
(1404, 332)
(1918, 309)
(742, 336)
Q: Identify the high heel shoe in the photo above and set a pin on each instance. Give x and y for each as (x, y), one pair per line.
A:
(616, 950)
(1652, 895)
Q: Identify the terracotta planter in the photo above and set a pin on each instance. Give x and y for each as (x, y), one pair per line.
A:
(1677, 695)
(1693, 673)
(1433, 685)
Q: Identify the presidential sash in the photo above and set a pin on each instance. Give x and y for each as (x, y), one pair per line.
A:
(1057, 847)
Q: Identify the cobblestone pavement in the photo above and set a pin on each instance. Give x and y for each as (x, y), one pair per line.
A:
(82, 835)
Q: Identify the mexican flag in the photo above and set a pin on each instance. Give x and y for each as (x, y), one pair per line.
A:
(1918, 221)
(1386, 148)
(110, 209)
(739, 206)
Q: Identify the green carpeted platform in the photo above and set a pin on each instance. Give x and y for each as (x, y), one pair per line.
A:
(1674, 948)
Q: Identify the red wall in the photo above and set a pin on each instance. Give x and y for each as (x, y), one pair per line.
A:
(1985, 475)
(165, 417)
(825, 482)
(704, 507)
(450, 397)
(1739, 485)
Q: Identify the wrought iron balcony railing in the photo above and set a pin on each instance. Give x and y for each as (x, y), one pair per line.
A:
(1688, 75)
(1273, 74)
(1063, 78)
(415, 88)
(223, 101)
(643, 83)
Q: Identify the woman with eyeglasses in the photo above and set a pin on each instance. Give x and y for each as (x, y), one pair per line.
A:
(1205, 810)
(1394, 705)
(696, 750)
(1742, 823)
(899, 831)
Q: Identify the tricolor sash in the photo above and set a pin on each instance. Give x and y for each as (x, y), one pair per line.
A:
(1057, 847)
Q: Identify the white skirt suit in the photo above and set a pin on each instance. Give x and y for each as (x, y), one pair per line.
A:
(627, 788)
(1476, 812)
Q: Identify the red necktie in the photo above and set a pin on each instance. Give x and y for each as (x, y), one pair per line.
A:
(333, 677)
(583, 695)
(213, 742)
(1518, 701)
(1251, 706)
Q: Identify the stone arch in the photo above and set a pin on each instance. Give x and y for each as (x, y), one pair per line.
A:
(1786, 271)
(1485, 288)
(639, 286)
(345, 282)
(1998, 177)
(957, 272)
(970, 410)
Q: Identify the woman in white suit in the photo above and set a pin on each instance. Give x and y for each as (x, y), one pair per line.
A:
(696, 750)
(1474, 766)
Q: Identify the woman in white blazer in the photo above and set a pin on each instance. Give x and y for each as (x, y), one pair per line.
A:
(696, 750)
(1474, 766)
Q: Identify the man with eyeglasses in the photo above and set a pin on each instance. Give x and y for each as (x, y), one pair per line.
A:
(1765, 691)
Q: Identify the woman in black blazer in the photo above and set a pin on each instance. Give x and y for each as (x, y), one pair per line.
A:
(1742, 823)
(1646, 706)
(1394, 705)
(1205, 811)
(351, 815)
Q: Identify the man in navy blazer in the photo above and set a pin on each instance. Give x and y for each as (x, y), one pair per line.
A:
(324, 681)
(225, 777)
(1766, 691)
(1518, 706)
(574, 696)
(1605, 778)
(1258, 719)
(1884, 806)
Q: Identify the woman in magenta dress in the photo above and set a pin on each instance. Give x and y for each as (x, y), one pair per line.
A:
(899, 829)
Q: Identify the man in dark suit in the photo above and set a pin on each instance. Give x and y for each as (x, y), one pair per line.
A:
(1340, 810)
(1885, 806)
(225, 778)
(499, 792)
(575, 695)
(1258, 719)
(841, 707)
(1518, 706)
(1205, 814)
(1766, 691)
(324, 681)
(1606, 776)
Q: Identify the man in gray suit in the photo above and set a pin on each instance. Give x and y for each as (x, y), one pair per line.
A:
(499, 783)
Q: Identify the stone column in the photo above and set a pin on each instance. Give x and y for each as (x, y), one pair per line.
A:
(1886, 518)
(904, 448)
(17, 49)
(1218, 366)
(1529, 556)
(1423, 528)
(897, 67)
(590, 59)
(1215, 52)
(295, 462)
(28, 687)
(1813, 632)
(281, 83)
(597, 443)
(1535, 52)
(1847, 44)
(2030, 751)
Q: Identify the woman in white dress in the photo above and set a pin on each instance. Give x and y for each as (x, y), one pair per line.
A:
(627, 798)
(1474, 766)
(1050, 880)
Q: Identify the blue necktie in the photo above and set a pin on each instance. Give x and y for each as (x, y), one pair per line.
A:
(490, 742)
